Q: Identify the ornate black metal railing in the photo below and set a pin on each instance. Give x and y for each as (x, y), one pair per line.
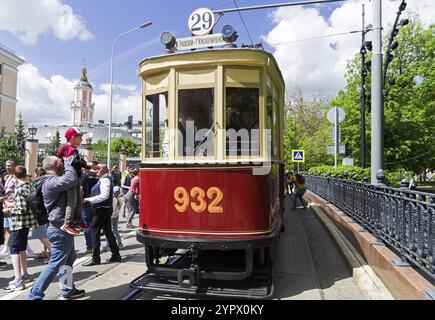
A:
(401, 218)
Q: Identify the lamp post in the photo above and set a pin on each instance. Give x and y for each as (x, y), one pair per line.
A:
(143, 25)
(32, 132)
(88, 141)
(89, 153)
(31, 151)
(377, 107)
(365, 66)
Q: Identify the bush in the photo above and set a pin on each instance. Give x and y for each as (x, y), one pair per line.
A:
(353, 171)
(392, 178)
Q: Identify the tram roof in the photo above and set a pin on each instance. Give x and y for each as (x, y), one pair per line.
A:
(226, 56)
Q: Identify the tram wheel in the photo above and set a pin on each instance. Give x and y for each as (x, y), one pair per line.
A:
(149, 257)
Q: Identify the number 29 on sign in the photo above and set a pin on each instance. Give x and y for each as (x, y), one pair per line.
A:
(198, 203)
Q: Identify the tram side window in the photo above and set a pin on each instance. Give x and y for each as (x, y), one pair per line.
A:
(242, 122)
(272, 124)
(157, 135)
(196, 122)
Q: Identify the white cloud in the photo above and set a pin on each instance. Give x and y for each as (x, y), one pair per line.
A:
(29, 19)
(44, 100)
(318, 66)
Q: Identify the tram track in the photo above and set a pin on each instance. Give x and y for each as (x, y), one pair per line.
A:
(133, 294)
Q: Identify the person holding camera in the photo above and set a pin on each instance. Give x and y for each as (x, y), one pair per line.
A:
(74, 206)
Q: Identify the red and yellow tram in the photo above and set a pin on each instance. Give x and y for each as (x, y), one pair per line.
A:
(211, 173)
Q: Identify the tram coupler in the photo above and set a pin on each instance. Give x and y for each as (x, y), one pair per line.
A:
(192, 275)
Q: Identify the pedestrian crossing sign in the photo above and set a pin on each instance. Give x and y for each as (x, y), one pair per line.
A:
(298, 155)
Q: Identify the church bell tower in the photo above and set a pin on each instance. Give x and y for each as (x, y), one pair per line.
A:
(82, 108)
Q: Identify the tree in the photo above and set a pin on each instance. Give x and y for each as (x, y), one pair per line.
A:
(100, 150)
(306, 127)
(54, 143)
(409, 106)
(125, 146)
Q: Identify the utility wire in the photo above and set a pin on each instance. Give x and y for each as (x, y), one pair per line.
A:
(319, 37)
(224, 4)
(243, 21)
(419, 156)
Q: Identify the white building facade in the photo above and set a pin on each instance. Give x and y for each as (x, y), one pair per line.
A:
(9, 63)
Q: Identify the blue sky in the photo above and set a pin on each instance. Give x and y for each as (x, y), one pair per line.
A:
(54, 52)
(108, 18)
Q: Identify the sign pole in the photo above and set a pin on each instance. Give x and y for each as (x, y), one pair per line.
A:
(336, 136)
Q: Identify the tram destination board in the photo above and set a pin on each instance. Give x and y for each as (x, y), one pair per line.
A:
(209, 40)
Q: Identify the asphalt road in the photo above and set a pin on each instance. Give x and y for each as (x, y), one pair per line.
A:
(308, 266)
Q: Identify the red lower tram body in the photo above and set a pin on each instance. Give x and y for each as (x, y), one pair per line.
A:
(203, 224)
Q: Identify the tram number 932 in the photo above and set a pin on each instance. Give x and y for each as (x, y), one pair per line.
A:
(198, 203)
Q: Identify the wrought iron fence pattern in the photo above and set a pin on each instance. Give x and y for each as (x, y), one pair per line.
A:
(401, 218)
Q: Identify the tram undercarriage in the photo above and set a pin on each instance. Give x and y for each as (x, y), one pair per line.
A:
(227, 269)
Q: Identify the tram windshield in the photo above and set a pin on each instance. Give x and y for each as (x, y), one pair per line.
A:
(242, 122)
(196, 122)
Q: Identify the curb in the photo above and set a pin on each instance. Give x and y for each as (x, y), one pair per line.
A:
(367, 281)
(403, 281)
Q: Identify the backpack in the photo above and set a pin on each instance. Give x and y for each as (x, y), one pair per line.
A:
(35, 202)
(300, 178)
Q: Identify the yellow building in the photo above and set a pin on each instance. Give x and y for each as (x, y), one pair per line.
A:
(9, 63)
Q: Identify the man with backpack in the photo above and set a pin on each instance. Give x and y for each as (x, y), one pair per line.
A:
(299, 182)
(56, 182)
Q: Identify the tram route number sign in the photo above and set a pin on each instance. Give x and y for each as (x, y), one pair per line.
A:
(201, 21)
(209, 40)
(298, 155)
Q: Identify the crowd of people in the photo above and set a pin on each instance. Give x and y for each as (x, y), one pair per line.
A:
(77, 197)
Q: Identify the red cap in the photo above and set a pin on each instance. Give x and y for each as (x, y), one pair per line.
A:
(73, 132)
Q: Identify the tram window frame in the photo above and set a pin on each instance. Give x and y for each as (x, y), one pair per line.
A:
(243, 77)
(196, 78)
(163, 130)
(240, 152)
(272, 117)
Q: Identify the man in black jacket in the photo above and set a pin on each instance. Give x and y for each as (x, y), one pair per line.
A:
(101, 201)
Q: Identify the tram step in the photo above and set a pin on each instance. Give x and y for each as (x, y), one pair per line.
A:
(257, 286)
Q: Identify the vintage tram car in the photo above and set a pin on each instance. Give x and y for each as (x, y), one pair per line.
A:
(211, 202)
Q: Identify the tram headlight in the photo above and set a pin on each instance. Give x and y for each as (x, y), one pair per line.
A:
(229, 34)
(169, 41)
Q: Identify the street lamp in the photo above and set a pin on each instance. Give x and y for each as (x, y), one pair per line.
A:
(143, 25)
(32, 132)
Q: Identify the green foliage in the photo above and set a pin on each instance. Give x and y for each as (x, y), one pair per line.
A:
(100, 150)
(54, 143)
(20, 130)
(409, 106)
(306, 127)
(125, 146)
(392, 177)
(13, 145)
(353, 171)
